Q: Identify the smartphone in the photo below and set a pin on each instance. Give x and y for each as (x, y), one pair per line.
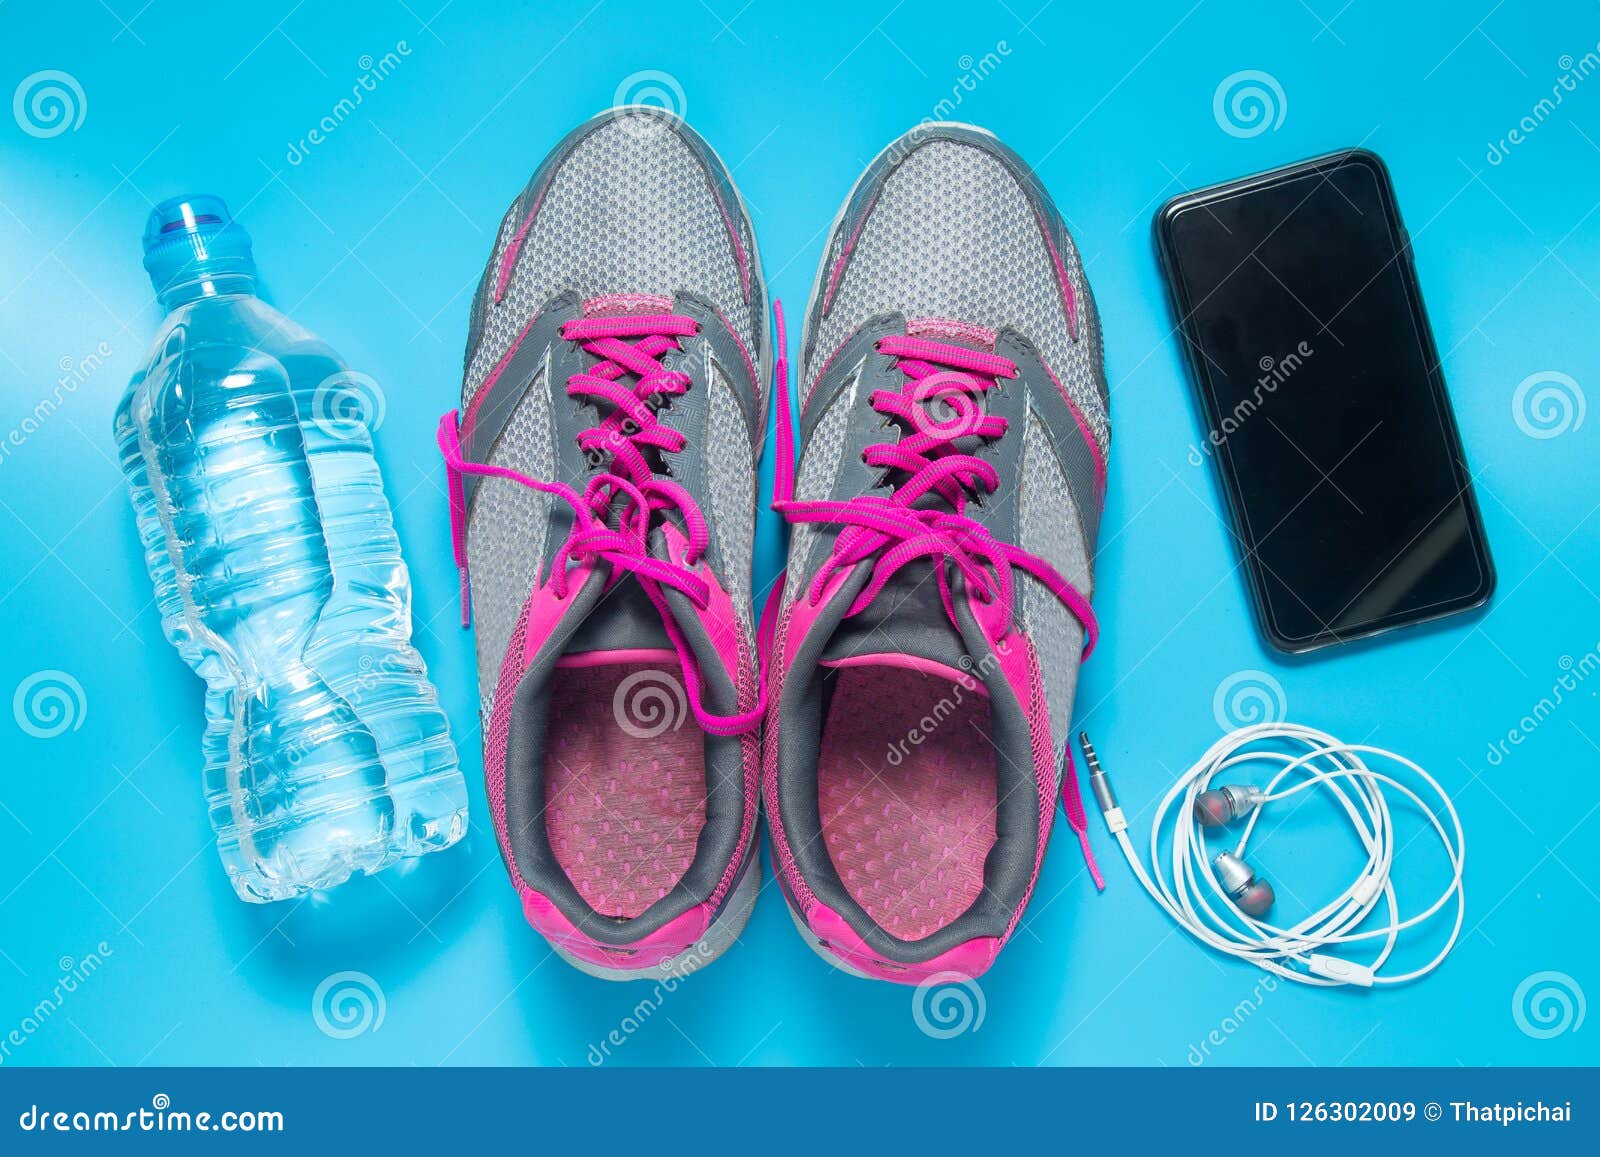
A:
(1326, 411)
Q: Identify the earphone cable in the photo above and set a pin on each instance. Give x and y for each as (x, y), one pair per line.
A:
(1190, 892)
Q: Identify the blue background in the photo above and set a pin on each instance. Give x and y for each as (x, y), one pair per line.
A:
(375, 240)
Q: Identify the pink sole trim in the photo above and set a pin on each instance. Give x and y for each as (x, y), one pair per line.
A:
(783, 431)
(967, 960)
(673, 939)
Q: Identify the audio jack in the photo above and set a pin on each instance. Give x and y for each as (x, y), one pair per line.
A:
(1100, 784)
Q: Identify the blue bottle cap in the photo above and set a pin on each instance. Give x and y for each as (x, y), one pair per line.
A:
(192, 238)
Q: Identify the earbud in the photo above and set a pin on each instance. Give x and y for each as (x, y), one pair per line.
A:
(1250, 895)
(1213, 809)
(1217, 807)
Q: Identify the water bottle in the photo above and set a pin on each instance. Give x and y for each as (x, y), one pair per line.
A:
(278, 577)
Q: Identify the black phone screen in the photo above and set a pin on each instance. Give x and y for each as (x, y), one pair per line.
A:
(1327, 414)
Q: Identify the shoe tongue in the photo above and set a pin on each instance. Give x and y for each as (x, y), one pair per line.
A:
(952, 332)
(626, 304)
(621, 619)
(620, 623)
(964, 336)
(906, 619)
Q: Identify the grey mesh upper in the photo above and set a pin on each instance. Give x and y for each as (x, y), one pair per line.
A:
(952, 232)
(506, 534)
(1050, 529)
(948, 223)
(626, 204)
(632, 202)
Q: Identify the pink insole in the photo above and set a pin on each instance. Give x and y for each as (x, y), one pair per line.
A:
(625, 783)
(906, 789)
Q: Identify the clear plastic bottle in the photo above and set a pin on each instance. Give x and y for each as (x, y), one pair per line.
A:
(278, 577)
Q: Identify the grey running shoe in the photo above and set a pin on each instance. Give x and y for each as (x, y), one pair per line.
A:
(603, 475)
(952, 446)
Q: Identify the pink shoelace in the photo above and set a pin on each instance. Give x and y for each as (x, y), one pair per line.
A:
(614, 514)
(897, 533)
(893, 529)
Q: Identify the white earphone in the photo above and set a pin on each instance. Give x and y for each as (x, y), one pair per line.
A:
(1302, 758)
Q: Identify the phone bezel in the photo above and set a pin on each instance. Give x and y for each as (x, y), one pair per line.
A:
(1165, 219)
